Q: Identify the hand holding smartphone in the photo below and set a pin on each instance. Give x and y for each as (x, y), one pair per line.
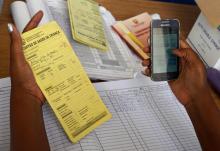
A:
(164, 38)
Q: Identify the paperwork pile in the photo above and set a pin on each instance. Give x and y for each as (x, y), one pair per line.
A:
(113, 64)
(141, 115)
(59, 73)
(135, 31)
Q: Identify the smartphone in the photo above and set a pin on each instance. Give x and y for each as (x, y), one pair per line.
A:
(164, 38)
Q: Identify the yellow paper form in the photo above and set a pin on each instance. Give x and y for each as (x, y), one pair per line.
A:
(63, 81)
(86, 23)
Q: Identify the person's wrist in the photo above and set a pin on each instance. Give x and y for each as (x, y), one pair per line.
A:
(188, 106)
(201, 94)
(201, 91)
(22, 94)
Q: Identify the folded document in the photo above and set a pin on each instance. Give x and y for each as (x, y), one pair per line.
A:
(86, 23)
(136, 32)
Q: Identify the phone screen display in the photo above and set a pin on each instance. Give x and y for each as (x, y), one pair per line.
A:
(165, 39)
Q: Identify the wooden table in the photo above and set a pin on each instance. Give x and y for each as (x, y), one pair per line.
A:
(121, 9)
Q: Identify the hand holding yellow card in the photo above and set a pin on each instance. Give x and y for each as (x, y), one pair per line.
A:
(63, 81)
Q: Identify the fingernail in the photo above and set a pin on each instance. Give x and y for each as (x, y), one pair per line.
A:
(10, 28)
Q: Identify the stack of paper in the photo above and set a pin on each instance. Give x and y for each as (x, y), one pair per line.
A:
(86, 23)
(114, 64)
(63, 81)
(136, 33)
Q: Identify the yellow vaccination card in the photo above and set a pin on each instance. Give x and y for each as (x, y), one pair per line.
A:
(87, 24)
(63, 81)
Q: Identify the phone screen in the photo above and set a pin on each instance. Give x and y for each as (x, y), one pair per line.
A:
(165, 39)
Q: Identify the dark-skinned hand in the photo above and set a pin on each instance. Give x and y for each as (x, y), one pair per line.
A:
(21, 74)
(192, 78)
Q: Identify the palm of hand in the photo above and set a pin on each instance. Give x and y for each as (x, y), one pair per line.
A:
(21, 74)
(22, 77)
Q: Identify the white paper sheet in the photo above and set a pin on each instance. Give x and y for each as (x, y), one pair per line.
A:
(5, 86)
(205, 41)
(20, 14)
(146, 116)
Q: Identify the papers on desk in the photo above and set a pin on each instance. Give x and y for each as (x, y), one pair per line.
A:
(86, 23)
(113, 64)
(63, 81)
(136, 33)
(146, 116)
(116, 63)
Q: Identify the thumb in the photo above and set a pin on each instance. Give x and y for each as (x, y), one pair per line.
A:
(16, 52)
(184, 57)
(182, 53)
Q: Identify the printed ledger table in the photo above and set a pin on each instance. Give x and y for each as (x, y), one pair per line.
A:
(121, 10)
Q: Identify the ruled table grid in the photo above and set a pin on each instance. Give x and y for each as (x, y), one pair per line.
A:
(145, 118)
(4, 118)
